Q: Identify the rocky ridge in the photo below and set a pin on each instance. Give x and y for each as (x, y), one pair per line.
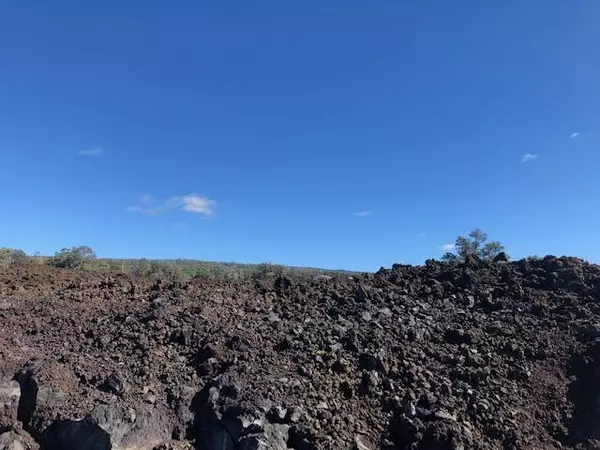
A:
(502, 355)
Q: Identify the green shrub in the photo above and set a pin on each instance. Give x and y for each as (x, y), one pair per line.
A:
(474, 245)
(267, 269)
(10, 256)
(73, 258)
(167, 270)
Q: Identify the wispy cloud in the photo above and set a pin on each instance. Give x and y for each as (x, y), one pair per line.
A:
(448, 247)
(147, 209)
(92, 152)
(529, 157)
(149, 205)
(362, 213)
(422, 235)
(574, 135)
(192, 203)
(197, 204)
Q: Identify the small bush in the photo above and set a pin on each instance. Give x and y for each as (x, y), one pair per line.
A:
(267, 269)
(73, 258)
(10, 256)
(140, 268)
(166, 270)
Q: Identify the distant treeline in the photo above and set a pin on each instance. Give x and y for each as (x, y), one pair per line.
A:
(84, 258)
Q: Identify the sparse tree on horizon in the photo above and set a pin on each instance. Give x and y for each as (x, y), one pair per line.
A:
(73, 258)
(475, 244)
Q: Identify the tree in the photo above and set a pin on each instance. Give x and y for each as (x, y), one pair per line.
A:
(73, 258)
(267, 269)
(491, 250)
(449, 257)
(9, 256)
(474, 245)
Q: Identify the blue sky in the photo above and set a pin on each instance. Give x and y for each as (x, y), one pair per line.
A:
(340, 134)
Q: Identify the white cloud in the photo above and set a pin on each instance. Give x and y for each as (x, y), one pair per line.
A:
(448, 247)
(197, 204)
(193, 203)
(92, 152)
(529, 157)
(574, 135)
(362, 213)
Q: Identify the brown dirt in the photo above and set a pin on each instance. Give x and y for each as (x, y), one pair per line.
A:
(448, 357)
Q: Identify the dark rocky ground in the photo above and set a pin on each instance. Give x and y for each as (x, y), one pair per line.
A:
(439, 357)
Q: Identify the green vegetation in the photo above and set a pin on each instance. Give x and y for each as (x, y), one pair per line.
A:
(181, 269)
(475, 244)
(74, 258)
(267, 269)
(9, 256)
(84, 258)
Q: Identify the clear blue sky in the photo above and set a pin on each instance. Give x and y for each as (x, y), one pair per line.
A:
(341, 134)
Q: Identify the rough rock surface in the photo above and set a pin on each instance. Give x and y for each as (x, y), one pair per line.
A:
(444, 357)
(12, 440)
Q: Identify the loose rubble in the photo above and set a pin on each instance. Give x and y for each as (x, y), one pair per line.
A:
(502, 355)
